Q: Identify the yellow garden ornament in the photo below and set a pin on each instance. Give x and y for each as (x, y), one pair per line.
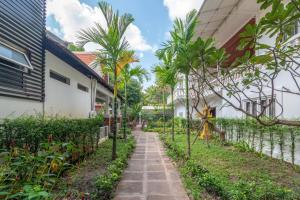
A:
(206, 114)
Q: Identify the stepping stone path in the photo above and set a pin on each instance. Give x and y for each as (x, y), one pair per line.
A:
(150, 174)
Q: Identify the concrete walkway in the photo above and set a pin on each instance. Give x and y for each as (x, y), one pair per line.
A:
(150, 174)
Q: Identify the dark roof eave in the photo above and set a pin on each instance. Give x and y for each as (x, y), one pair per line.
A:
(67, 56)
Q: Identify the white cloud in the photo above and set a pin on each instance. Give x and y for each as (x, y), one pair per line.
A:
(135, 39)
(167, 35)
(179, 8)
(141, 55)
(56, 31)
(73, 16)
(155, 48)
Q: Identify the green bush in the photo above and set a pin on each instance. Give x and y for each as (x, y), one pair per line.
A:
(121, 131)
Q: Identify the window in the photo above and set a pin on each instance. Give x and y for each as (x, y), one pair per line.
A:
(59, 77)
(82, 87)
(296, 28)
(248, 106)
(10, 76)
(213, 112)
(15, 56)
(272, 107)
(254, 108)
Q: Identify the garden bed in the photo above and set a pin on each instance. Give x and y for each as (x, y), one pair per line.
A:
(224, 172)
(81, 181)
(37, 156)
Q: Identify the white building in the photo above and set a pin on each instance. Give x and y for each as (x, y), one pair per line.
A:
(72, 88)
(224, 20)
(40, 76)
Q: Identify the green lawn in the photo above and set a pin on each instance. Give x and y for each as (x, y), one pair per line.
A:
(230, 165)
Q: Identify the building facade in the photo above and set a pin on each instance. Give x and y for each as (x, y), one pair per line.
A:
(39, 75)
(22, 57)
(224, 20)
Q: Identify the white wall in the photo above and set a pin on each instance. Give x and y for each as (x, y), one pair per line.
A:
(239, 16)
(62, 99)
(180, 110)
(290, 102)
(11, 107)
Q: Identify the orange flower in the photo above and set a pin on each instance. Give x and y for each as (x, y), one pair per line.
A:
(54, 166)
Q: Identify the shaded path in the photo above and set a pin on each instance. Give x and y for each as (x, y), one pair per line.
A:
(150, 174)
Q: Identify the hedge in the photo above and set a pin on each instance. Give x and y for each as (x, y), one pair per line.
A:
(30, 132)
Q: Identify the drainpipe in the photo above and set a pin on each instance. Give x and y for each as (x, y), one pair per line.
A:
(43, 108)
(93, 95)
(282, 114)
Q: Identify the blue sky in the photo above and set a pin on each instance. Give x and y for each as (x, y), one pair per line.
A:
(153, 21)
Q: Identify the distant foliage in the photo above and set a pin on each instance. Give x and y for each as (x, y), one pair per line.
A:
(73, 47)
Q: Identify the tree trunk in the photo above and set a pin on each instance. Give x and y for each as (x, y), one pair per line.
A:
(114, 146)
(187, 105)
(173, 110)
(125, 113)
(164, 108)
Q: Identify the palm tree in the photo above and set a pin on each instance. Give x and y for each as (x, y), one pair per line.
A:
(181, 41)
(111, 38)
(127, 74)
(166, 75)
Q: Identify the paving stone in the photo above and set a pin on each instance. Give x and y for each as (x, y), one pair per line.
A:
(161, 187)
(160, 197)
(154, 162)
(126, 187)
(156, 176)
(152, 156)
(138, 156)
(155, 168)
(174, 176)
(120, 197)
(135, 167)
(133, 176)
(140, 152)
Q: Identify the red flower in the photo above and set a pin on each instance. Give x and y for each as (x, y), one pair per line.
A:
(50, 138)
